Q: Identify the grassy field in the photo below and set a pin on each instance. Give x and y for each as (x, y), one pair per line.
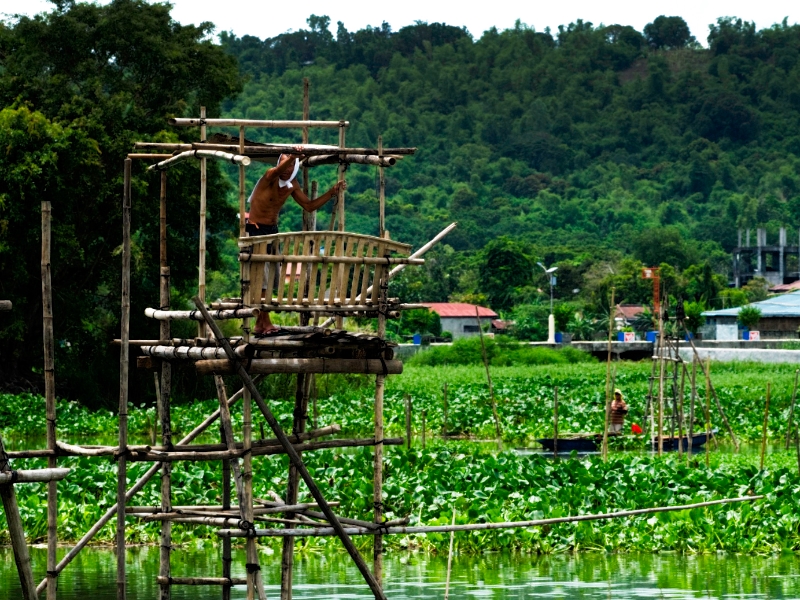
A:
(481, 483)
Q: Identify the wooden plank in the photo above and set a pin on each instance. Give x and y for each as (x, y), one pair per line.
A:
(365, 282)
(281, 271)
(358, 272)
(269, 285)
(306, 243)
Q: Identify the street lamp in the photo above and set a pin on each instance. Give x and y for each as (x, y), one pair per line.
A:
(551, 320)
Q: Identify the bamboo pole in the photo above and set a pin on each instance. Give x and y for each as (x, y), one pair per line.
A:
(297, 461)
(226, 582)
(680, 409)
(193, 315)
(690, 441)
(790, 423)
(230, 441)
(764, 430)
(242, 123)
(123, 379)
(342, 168)
(135, 489)
(306, 117)
(450, 551)
(497, 429)
(266, 151)
(16, 533)
(201, 268)
(708, 411)
(236, 159)
(407, 399)
(661, 367)
(611, 318)
(377, 459)
(33, 476)
(358, 159)
(555, 422)
(327, 531)
(381, 191)
(227, 559)
(50, 397)
(242, 201)
(298, 427)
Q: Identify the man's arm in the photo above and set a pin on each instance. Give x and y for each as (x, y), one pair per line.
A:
(311, 205)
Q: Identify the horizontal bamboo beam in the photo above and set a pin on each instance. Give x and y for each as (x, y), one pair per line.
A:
(256, 451)
(326, 260)
(5, 305)
(150, 156)
(196, 315)
(273, 508)
(236, 159)
(372, 366)
(353, 159)
(247, 351)
(255, 123)
(201, 580)
(275, 150)
(336, 307)
(328, 531)
(33, 476)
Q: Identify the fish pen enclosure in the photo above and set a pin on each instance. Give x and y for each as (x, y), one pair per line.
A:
(323, 274)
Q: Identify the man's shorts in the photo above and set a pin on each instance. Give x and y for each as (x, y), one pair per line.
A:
(270, 269)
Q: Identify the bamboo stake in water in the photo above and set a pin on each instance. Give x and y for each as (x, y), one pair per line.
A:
(764, 430)
(377, 465)
(691, 408)
(661, 367)
(555, 422)
(201, 268)
(50, 396)
(611, 318)
(408, 420)
(708, 410)
(790, 424)
(680, 408)
(450, 558)
(498, 431)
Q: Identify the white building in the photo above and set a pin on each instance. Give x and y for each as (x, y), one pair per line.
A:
(459, 318)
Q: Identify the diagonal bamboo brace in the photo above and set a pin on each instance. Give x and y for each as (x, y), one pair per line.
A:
(294, 457)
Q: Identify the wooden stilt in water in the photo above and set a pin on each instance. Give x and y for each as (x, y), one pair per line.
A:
(226, 505)
(377, 464)
(661, 367)
(123, 379)
(691, 408)
(708, 408)
(790, 424)
(450, 552)
(16, 532)
(555, 422)
(680, 408)
(50, 399)
(764, 430)
(201, 269)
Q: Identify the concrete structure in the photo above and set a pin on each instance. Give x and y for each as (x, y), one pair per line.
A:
(780, 319)
(459, 317)
(778, 264)
(738, 354)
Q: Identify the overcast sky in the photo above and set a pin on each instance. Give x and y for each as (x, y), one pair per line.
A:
(259, 18)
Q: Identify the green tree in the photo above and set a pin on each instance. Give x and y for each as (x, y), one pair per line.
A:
(668, 33)
(505, 268)
(749, 316)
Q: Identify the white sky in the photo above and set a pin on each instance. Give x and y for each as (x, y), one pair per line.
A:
(259, 18)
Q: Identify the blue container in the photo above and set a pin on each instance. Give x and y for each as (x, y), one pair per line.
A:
(620, 336)
(559, 337)
(746, 334)
(651, 336)
(689, 336)
(417, 339)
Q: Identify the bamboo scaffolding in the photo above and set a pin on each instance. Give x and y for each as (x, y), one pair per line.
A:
(201, 268)
(371, 366)
(50, 396)
(255, 123)
(338, 260)
(135, 489)
(249, 351)
(352, 159)
(328, 531)
(295, 460)
(123, 379)
(381, 191)
(267, 508)
(16, 532)
(236, 159)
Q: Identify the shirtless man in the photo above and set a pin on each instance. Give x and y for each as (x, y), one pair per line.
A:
(266, 201)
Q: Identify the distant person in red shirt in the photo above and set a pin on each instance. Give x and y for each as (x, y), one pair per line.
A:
(618, 411)
(266, 201)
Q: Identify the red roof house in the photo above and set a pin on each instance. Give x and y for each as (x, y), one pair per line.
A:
(459, 317)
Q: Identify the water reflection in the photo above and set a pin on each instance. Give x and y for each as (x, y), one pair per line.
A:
(411, 576)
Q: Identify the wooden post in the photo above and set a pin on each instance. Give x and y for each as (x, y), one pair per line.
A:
(201, 271)
(381, 191)
(611, 318)
(450, 558)
(50, 398)
(444, 409)
(123, 379)
(226, 505)
(306, 117)
(691, 408)
(680, 408)
(342, 168)
(790, 424)
(377, 464)
(298, 426)
(242, 197)
(498, 431)
(165, 391)
(661, 366)
(22, 557)
(764, 430)
(294, 458)
(555, 422)
(408, 421)
(708, 409)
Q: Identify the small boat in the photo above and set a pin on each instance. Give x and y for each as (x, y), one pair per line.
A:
(586, 442)
(671, 443)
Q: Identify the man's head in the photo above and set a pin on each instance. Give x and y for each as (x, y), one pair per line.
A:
(617, 394)
(286, 166)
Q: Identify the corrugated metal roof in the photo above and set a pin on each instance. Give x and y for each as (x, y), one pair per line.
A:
(785, 305)
(459, 309)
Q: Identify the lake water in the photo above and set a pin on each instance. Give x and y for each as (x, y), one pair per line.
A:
(501, 576)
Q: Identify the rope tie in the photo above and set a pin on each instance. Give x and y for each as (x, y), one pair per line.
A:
(52, 573)
(252, 568)
(14, 476)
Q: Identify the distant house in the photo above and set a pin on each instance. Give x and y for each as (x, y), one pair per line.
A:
(780, 318)
(459, 317)
(626, 314)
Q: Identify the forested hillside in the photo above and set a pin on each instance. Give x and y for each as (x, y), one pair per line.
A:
(586, 145)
